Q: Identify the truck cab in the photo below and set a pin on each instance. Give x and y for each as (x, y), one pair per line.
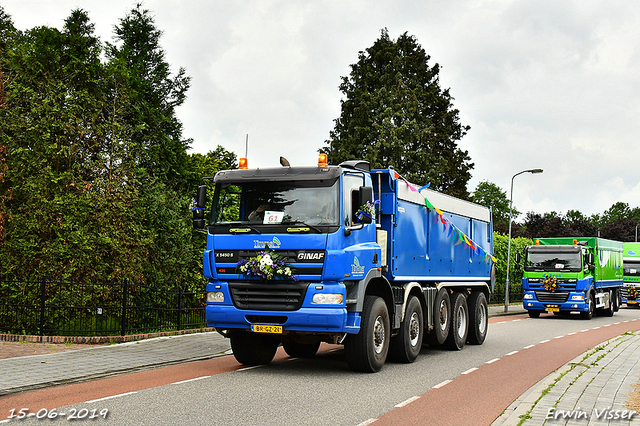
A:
(296, 256)
(563, 275)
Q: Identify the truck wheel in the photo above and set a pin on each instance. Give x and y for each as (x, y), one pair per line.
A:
(251, 348)
(478, 318)
(441, 318)
(608, 311)
(534, 314)
(367, 350)
(405, 347)
(589, 313)
(459, 323)
(301, 350)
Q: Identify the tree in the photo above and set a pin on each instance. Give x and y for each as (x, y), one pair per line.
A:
(396, 114)
(491, 195)
(156, 94)
(578, 225)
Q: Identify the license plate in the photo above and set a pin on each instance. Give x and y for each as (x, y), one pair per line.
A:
(553, 309)
(259, 328)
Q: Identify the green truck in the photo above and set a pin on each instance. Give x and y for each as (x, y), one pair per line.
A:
(630, 293)
(566, 274)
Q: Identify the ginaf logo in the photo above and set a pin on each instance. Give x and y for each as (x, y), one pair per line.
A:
(356, 269)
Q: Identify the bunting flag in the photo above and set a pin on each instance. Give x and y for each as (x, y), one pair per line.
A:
(452, 231)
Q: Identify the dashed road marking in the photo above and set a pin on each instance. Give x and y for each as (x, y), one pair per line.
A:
(439, 385)
(109, 397)
(190, 380)
(406, 402)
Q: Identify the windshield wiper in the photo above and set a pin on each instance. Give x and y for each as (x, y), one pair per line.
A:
(241, 228)
(299, 222)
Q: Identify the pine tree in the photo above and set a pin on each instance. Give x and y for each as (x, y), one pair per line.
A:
(395, 114)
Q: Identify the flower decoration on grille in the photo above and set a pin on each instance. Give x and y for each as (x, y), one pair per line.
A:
(632, 292)
(550, 283)
(368, 209)
(266, 266)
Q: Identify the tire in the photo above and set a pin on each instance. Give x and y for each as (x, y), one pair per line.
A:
(534, 314)
(405, 347)
(459, 323)
(301, 350)
(589, 314)
(478, 318)
(608, 312)
(441, 319)
(367, 351)
(616, 298)
(251, 348)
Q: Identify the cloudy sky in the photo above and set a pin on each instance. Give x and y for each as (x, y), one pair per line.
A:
(543, 84)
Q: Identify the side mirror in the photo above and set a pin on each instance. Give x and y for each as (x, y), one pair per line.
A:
(518, 257)
(198, 210)
(590, 259)
(366, 194)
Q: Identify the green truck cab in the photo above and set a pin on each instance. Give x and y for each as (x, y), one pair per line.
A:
(630, 293)
(566, 274)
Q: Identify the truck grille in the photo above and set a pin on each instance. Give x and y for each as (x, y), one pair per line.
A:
(268, 296)
(548, 297)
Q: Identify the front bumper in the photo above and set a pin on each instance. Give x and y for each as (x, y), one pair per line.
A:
(555, 302)
(319, 320)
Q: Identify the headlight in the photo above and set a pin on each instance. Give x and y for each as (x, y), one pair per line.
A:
(528, 296)
(215, 296)
(577, 297)
(327, 299)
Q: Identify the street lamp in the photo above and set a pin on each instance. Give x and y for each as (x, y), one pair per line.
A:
(506, 289)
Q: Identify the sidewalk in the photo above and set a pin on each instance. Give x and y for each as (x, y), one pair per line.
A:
(592, 389)
(38, 371)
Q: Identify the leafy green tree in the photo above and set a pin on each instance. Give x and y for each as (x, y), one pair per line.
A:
(156, 94)
(500, 248)
(490, 194)
(396, 114)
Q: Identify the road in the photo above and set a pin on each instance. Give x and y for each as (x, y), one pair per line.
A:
(472, 386)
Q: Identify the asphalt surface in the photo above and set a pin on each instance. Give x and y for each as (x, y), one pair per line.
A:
(592, 389)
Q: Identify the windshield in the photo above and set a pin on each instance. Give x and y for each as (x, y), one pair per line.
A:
(631, 267)
(275, 203)
(553, 259)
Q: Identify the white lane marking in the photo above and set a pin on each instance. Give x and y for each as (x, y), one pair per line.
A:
(109, 397)
(492, 361)
(558, 337)
(470, 370)
(511, 353)
(249, 368)
(572, 333)
(528, 347)
(439, 385)
(367, 422)
(545, 341)
(407, 402)
(190, 380)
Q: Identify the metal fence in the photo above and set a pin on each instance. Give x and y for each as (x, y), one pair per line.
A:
(47, 307)
(515, 294)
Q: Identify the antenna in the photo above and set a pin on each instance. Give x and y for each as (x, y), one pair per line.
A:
(246, 148)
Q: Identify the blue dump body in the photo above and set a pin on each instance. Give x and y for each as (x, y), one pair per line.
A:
(342, 263)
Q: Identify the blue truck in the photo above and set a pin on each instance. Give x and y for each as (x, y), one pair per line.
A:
(343, 254)
(567, 274)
